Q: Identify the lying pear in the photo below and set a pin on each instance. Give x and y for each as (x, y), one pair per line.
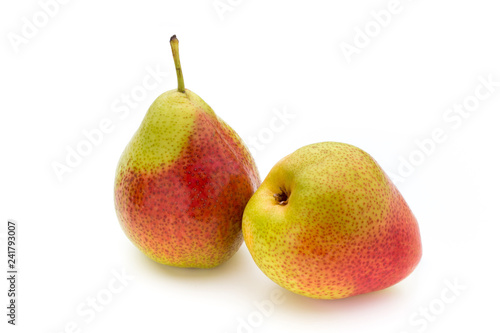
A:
(328, 223)
(183, 181)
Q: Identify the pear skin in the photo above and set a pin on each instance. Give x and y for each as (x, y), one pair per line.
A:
(328, 223)
(183, 181)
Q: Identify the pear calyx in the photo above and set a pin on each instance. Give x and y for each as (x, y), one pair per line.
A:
(281, 198)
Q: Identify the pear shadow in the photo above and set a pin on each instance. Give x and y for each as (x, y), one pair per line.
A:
(295, 303)
(234, 265)
(242, 274)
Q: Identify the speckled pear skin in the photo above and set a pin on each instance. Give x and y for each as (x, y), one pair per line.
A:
(345, 229)
(182, 184)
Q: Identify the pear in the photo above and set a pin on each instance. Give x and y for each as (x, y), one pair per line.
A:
(328, 223)
(183, 181)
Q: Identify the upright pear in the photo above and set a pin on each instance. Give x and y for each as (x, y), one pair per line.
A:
(183, 181)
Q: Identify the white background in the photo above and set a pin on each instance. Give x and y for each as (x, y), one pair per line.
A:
(247, 63)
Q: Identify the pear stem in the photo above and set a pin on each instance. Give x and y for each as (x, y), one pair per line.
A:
(174, 43)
